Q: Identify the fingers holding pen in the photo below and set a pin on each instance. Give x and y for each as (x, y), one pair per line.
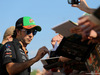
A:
(41, 53)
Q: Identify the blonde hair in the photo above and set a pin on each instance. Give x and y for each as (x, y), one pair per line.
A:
(8, 32)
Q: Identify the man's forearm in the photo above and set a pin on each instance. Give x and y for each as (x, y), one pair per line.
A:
(15, 68)
(90, 10)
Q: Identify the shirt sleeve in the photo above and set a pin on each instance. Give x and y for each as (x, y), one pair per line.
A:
(8, 54)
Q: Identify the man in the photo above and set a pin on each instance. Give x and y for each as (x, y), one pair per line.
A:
(65, 69)
(7, 35)
(57, 39)
(14, 58)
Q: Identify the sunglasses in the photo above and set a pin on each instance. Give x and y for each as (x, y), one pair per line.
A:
(28, 31)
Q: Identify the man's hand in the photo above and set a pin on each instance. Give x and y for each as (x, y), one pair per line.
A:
(87, 27)
(63, 59)
(82, 6)
(91, 26)
(41, 53)
(88, 19)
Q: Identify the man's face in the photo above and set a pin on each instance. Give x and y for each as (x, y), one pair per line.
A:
(27, 35)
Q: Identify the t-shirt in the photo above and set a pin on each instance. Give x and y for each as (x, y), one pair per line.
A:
(0, 57)
(1, 45)
(13, 52)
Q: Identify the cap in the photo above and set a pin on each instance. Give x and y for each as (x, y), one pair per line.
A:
(27, 23)
(9, 31)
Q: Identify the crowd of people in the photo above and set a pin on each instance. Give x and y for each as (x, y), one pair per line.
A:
(88, 27)
(14, 54)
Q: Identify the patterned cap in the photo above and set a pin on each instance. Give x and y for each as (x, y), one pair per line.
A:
(27, 23)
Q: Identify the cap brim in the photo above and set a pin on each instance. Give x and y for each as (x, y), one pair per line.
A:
(38, 28)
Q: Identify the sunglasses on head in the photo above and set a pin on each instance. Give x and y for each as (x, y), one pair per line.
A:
(28, 31)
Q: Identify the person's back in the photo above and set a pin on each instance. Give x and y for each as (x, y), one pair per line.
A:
(6, 38)
(7, 35)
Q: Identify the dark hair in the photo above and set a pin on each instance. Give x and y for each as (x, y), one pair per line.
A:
(18, 26)
(19, 23)
(14, 34)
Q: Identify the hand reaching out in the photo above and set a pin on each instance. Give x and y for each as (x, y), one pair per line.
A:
(88, 27)
(41, 53)
(84, 7)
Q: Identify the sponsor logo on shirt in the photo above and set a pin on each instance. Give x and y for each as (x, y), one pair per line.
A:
(8, 46)
(8, 50)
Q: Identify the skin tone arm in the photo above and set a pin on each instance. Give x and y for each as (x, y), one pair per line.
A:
(89, 28)
(91, 24)
(63, 59)
(84, 7)
(14, 68)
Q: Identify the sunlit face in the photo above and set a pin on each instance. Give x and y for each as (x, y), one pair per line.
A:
(27, 35)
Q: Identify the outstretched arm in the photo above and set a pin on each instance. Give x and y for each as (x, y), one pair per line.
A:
(15, 68)
(84, 7)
